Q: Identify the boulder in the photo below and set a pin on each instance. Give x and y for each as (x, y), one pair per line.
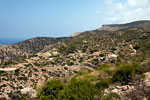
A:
(55, 53)
(30, 91)
(106, 91)
(115, 90)
(118, 87)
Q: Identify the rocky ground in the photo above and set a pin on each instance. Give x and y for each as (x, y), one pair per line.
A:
(62, 60)
(125, 90)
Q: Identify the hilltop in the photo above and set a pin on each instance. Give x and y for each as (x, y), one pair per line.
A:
(143, 24)
(92, 55)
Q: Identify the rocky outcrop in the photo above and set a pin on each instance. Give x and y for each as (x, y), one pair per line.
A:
(143, 24)
(75, 34)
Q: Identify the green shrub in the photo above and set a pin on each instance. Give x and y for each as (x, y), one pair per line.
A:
(101, 55)
(3, 73)
(8, 63)
(113, 49)
(125, 73)
(70, 63)
(81, 59)
(80, 73)
(95, 61)
(111, 96)
(23, 78)
(17, 96)
(78, 90)
(27, 65)
(136, 47)
(102, 84)
(17, 71)
(68, 49)
(103, 67)
(36, 64)
(35, 69)
(3, 99)
(140, 59)
(50, 90)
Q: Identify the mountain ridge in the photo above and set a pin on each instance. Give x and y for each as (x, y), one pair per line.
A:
(144, 24)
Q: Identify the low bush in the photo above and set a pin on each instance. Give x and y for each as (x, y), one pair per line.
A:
(78, 90)
(125, 73)
(17, 96)
(101, 55)
(50, 90)
(3, 73)
(106, 70)
(102, 84)
(80, 73)
(103, 67)
(28, 65)
(36, 64)
(17, 71)
(136, 47)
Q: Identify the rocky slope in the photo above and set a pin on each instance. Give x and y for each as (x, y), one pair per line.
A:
(35, 45)
(143, 24)
(56, 58)
(27, 47)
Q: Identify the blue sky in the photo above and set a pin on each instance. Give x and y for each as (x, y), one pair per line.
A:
(56, 18)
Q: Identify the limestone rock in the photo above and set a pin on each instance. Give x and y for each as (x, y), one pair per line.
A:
(29, 91)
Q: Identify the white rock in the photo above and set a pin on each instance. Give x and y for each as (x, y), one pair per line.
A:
(132, 87)
(50, 58)
(118, 87)
(106, 91)
(115, 90)
(144, 98)
(29, 91)
(112, 56)
(125, 88)
(47, 54)
(75, 34)
(55, 53)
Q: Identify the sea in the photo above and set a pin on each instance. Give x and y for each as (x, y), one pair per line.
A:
(9, 41)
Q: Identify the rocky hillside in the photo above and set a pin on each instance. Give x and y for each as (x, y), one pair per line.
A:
(137, 24)
(35, 45)
(143, 24)
(116, 61)
(27, 47)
